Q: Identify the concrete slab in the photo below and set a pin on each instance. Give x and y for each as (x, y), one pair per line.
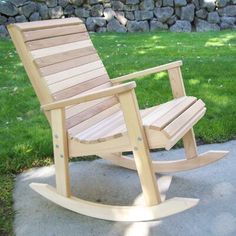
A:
(100, 181)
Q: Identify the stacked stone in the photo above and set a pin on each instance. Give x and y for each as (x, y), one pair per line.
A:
(126, 15)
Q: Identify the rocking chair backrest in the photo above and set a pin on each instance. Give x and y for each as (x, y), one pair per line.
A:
(62, 62)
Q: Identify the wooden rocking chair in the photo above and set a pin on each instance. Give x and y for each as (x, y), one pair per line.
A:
(91, 114)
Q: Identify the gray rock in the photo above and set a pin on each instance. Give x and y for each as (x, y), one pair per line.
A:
(129, 15)
(20, 18)
(28, 9)
(11, 20)
(147, 5)
(3, 31)
(202, 13)
(213, 17)
(181, 26)
(168, 3)
(209, 5)
(131, 7)
(224, 25)
(117, 5)
(63, 3)
(43, 11)
(164, 13)
(203, 26)
(158, 3)
(81, 12)
(69, 10)
(187, 12)
(137, 26)
(56, 12)
(109, 14)
(3, 20)
(228, 11)
(107, 5)
(7, 8)
(92, 2)
(18, 3)
(101, 29)
(221, 3)
(228, 20)
(51, 3)
(93, 23)
(121, 17)
(172, 20)
(143, 15)
(132, 2)
(178, 12)
(35, 17)
(77, 2)
(97, 10)
(180, 3)
(157, 26)
(115, 26)
(196, 4)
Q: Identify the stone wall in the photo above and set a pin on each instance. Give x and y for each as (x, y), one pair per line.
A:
(126, 15)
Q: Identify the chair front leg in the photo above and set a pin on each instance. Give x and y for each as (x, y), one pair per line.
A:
(141, 153)
(178, 90)
(60, 148)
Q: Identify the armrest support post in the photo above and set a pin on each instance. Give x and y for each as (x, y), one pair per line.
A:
(178, 90)
(140, 147)
(176, 82)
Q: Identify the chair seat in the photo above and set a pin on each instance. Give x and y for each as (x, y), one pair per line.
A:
(171, 119)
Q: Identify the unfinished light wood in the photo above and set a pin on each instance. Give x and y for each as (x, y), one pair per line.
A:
(60, 149)
(140, 148)
(147, 72)
(168, 166)
(92, 115)
(178, 90)
(116, 213)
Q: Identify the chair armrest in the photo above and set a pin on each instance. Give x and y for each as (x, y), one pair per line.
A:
(139, 74)
(115, 90)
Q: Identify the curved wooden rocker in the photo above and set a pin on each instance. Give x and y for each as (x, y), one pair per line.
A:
(168, 166)
(115, 213)
(92, 115)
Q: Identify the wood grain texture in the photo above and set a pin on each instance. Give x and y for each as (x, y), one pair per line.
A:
(52, 32)
(64, 56)
(45, 24)
(55, 41)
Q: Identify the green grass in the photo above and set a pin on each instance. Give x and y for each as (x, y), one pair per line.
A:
(209, 73)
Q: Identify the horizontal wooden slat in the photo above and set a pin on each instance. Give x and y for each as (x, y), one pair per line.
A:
(55, 41)
(56, 87)
(53, 32)
(169, 116)
(101, 129)
(75, 109)
(80, 87)
(161, 110)
(36, 25)
(183, 119)
(92, 111)
(60, 57)
(100, 116)
(62, 66)
(66, 74)
(185, 129)
(60, 49)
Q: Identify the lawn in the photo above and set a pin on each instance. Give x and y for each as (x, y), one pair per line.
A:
(209, 73)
